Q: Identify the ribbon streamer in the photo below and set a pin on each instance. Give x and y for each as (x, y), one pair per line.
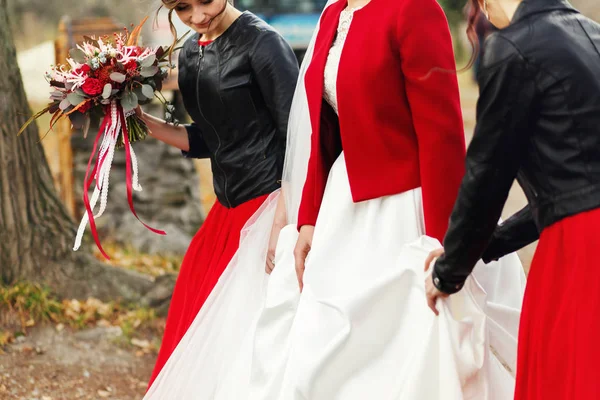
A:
(114, 122)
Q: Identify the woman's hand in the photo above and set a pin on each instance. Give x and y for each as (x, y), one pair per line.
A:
(431, 292)
(303, 246)
(275, 230)
(278, 223)
(139, 112)
(176, 136)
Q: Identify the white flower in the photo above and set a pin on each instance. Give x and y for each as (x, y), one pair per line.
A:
(88, 48)
(74, 64)
(101, 45)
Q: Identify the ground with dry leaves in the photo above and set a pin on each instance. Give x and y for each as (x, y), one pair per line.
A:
(87, 364)
(70, 349)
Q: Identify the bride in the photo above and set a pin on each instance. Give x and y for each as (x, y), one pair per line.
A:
(359, 327)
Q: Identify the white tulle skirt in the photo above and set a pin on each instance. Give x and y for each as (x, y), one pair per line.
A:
(361, 328)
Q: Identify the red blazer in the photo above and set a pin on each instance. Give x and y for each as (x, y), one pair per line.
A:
(399, 116)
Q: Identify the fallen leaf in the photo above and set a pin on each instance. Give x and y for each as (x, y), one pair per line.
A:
(103, 323)
(140, 343)
(26, 349)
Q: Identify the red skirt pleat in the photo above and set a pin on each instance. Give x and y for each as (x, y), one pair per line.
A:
(560, 321)
(210, 251)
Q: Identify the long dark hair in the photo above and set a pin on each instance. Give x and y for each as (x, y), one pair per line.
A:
(474, 12)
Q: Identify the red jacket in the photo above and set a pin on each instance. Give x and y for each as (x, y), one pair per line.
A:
(400, 119)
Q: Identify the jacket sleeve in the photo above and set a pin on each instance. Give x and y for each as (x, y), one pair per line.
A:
(275, 69)
(198, 147)
(513, 234)
(309, 209)
(504, 114)
(324, 151)
(432, 89)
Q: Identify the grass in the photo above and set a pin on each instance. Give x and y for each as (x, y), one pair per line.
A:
(26, 305)
(23, 305)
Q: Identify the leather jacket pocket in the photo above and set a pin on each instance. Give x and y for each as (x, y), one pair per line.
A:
(236, 82)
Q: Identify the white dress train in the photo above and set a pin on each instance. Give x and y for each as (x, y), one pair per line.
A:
(361, 328)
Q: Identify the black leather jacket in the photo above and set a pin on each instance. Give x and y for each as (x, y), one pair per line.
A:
(538, 119)
(238, 91)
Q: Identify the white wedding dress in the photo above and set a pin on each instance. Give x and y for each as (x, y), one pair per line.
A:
(361, 329)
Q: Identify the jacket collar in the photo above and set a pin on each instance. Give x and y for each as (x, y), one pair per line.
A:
(530, 7)
(230, 31)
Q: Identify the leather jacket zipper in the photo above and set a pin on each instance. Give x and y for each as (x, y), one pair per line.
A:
(199, 65)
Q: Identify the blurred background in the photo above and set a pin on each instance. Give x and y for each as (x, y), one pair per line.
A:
(79, 327)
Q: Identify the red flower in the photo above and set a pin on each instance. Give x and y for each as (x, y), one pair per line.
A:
(92, 86)
(103, 74)
(85, 68)
(131, 65)
(136, 51)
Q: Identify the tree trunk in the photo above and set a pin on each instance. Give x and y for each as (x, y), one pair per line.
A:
(36, 232)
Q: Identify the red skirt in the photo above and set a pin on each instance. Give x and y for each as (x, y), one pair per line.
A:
(560, 321)
(210, 251)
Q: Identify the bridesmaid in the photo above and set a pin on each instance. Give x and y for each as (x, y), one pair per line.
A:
(237, 78)
(539, 121)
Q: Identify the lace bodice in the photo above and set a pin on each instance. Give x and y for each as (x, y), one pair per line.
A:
(333, 59)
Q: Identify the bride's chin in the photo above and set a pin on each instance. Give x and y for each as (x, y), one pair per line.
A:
(201, 31)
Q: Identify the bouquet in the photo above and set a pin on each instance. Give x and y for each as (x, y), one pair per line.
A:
(111, 75)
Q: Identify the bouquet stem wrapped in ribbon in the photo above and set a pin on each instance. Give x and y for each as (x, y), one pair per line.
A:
(113, 76)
